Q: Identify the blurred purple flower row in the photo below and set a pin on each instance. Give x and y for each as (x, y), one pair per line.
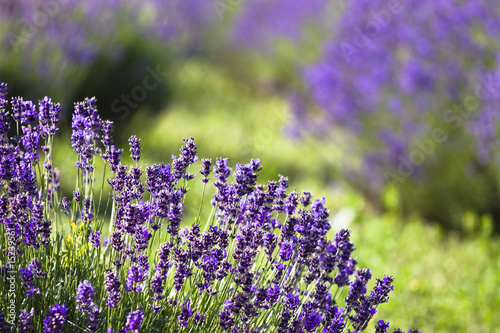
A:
(402, 76)
(409, 60)
(58, 41)
(82, 30)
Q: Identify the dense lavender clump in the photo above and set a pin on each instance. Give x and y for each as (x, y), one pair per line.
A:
(262, 260)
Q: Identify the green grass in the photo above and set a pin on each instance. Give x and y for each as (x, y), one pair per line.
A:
(444, 283)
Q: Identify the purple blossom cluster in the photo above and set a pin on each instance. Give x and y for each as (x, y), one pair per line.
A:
(262, 261)
(23, 203)
(86, 133)
(85, 303)
(26, 321)
(55, 318)
(134, 320)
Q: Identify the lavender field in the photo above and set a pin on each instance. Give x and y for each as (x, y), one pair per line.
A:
(249, 166)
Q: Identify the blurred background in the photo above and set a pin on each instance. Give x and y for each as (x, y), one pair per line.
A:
(388, 108)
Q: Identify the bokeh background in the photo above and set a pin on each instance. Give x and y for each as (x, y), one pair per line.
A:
(387, 108)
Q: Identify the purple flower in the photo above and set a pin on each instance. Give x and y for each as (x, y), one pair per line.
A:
(142, 236)
(305, 200)
(134, 320)
(358, 287)
(86, 126)
(94, 313)
(27, 276)
(226, 320)
(157, 282)
(107, 129)
(205, 169)
(380, 293)
(26, 321)
(84, 296)
(113, 155)
(291, 203)
(163, 256)
(112, 284)
(77, 195)
(54, 319)
(364, 311)
(221, 171)
(49, 115)
(4, 325)
(345, 264)
(381, 327)
(183, 271)
(198, 318)
(291, 302)
(30, 140)
(142, 260)
(117, 240)
(270, 241)
(273, 293)
(135, 148)
(136, 275)
(312, 320)
(186, 313)
(65, 206)
(28, 111)
(185, 159)
(286, 250)
(245, 176)
(335, 322)
(95, 239)
(246, 214)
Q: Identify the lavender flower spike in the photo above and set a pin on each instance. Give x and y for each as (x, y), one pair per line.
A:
(135, 148)
(55, 319)
(134, 320)
(84, 295)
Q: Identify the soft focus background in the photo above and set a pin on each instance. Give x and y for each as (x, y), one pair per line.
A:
(388, 108)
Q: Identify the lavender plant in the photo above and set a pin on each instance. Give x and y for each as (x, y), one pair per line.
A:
(260, 262)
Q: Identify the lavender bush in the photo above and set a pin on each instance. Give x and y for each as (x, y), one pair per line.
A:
(260, 262)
